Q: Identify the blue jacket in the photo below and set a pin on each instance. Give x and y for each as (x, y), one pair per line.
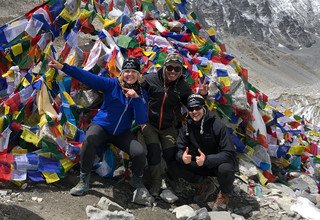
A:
(117, 112)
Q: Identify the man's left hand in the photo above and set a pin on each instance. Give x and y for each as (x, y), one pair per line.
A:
(200, 159)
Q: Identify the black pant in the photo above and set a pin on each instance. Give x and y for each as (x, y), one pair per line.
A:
(97, 138)
(194, 174)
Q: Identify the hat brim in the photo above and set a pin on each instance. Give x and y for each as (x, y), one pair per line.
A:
(122, 71)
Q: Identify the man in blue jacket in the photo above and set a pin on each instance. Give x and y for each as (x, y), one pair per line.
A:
(124, 101)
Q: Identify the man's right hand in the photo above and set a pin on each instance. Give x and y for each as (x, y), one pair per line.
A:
(186, 157)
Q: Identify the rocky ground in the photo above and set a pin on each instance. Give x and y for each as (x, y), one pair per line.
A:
(52, 201)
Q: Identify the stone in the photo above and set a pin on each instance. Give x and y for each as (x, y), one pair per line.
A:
(98, 214)
(142, 196)
(106, 204)
(184, 212)
(221, 215)
(201, 214)
(245, 210)
(237, 217)
(168, 196)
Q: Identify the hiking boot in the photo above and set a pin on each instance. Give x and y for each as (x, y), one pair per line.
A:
(205, 189)
(222, 201)
(82, 186)
(136, 182)
(156, 179)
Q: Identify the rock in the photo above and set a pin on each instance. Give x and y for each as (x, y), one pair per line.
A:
(3, 192)
(201, 214)
(304, 182)
(247, 169)
(39, 200)
(106, 204)
(184, 212)
(274, 206)
(237, 217)
(282, 188)
(305, 208)
(168, 196)
(221, 215)
(285, 203)
(98, 214)
(142, 196)
(34, 198)
(244, 211)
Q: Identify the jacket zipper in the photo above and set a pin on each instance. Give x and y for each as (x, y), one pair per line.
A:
(124, 111)
(161, 109)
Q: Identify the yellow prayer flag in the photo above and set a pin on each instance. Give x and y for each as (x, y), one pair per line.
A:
(315, 133)
(148, 53)
(17, 49)
(30, 137)
(64, 28)
(198, 40)
(49, 77)
(1, 123)
(236, 65)
(6, 109)
(250, 150)
(69, 17)
(288, 112)
(284, 162)
(296, 150)
(200, 73)
(8, 73)
(217, 48)
(67, 164)
(51, 177)
(25, 82)
(224, 80)
(211, 31)
(70, 130)
(43, 120)
(19, 150)
(170, 5)
(68, 98)
(85, 14)
(206, 69)
(263, 181)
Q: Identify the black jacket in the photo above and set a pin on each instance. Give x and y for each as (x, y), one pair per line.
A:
(215, 142)
(165, 101)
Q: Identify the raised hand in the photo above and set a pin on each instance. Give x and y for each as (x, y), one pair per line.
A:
(186, 157)
(130, 93)
(200, 159)
(55, 64)
(203, 87)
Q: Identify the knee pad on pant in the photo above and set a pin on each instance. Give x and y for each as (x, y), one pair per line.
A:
(154, 154)
(169, 154)
(225, 169)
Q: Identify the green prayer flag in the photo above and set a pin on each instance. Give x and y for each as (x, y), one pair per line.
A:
(161, 58)
(191, 26)
(123, 41)
(48, 146)
(190, 80)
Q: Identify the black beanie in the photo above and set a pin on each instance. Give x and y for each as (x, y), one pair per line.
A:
(195, 100)
(132, 64)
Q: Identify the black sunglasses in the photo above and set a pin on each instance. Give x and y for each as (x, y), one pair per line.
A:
(197, 108)
(175, 68)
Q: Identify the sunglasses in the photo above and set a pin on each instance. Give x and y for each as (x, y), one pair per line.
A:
(175, 68)
(197, 108)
